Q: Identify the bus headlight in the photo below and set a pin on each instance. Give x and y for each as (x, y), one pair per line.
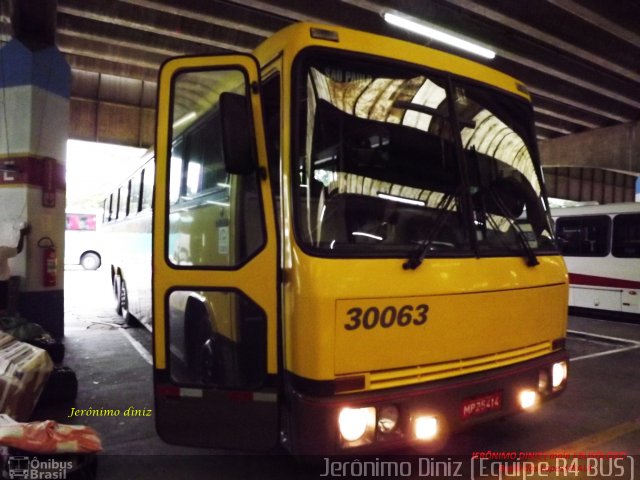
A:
(558, 374)
(527, 399)
(425, 427)
(357, 424)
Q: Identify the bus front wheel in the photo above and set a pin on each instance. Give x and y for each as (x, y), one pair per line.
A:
(121, 298)
(117, 280)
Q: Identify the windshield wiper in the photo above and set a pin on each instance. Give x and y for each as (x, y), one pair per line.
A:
(415, 260)
(532, 260)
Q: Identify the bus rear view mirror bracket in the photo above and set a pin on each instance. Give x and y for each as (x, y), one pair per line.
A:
(237, 138)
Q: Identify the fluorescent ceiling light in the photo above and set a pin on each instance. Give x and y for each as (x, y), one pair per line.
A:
(368, 235)
(438, 35)
(393, 198)
(187, 118)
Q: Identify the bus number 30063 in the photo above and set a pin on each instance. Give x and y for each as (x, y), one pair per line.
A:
(387, 317)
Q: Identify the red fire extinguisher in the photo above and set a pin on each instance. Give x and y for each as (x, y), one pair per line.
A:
(49, 262)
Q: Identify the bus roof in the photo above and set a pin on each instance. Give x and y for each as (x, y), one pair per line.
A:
(294, 38)
(609, 208)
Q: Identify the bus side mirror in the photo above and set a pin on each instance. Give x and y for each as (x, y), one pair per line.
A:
(237, 134)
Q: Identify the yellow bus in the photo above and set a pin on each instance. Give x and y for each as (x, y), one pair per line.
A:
(352, 250)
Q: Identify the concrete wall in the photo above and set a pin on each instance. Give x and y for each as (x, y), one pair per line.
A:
(613, 148)
(585, 184)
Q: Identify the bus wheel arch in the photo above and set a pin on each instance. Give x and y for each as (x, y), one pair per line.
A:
(90, 260)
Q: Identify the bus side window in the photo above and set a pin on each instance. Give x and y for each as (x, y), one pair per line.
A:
(116, 204)
(127, 204)
(147, 186)
(110, 215)
(626, 236)
(584, 236)
(122, 202)
(134, 194)
(105, 211)
(203, 157)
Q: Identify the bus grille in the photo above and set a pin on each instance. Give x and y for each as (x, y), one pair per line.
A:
(425, 373)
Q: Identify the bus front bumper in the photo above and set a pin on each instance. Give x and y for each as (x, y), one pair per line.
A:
(423, 415)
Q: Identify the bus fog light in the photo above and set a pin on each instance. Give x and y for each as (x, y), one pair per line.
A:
(388, 418)
(354, 423)
(558, 374)
(527, 399)
(425, 427)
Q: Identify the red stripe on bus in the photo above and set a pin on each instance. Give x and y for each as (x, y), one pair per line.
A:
(596, 281)
(240, 396)
(167, 391)
(32, 170)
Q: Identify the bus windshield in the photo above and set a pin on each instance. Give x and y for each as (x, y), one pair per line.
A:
(394, 161)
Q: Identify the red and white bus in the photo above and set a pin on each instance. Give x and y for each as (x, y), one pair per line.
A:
(601, 247)
(82, 243)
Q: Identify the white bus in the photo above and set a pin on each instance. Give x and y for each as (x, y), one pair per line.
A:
(126, 226)
(601, 247)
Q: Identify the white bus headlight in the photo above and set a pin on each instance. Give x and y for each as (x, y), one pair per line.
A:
(355, 423)
(558, 374)
(527, 399)
(425, 427)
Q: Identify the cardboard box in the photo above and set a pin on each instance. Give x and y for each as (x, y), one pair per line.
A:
(24, 370)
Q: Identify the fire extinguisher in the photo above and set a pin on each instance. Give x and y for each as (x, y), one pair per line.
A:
(49, 262)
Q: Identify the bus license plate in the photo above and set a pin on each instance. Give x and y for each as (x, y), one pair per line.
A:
(472, 407)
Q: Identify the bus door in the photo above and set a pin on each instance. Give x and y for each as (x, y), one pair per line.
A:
(214, 259)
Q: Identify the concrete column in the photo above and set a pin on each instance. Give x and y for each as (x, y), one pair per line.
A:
(35, 85)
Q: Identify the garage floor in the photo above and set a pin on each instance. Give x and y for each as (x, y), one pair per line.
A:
(113, 365)
(114, 372)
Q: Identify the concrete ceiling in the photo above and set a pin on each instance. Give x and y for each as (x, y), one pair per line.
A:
(579, 58)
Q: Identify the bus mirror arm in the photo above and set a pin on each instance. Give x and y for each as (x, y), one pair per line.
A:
(237, 139)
